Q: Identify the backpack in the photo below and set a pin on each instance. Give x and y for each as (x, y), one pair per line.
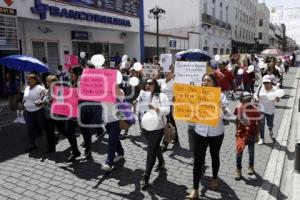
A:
(125, 114)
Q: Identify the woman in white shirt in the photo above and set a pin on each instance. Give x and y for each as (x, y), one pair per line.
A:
(34, 114)
(267, 106)
(166, 87)
(204, 136)
(158, 102)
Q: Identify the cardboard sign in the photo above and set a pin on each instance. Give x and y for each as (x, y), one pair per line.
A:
(98, 85)
(70, 61)
(150, 70)
(190, 73)
(65, 101)
(197, 104)
(166, 61)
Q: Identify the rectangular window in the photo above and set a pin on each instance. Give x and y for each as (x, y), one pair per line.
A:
(260, 35)
(221, 51)
(261, 22)
(8, 33)
(215, 51)
(48, 50)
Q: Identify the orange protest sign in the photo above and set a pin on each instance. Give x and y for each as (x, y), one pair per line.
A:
(197, 104)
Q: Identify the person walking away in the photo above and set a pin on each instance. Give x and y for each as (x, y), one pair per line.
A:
(34, 112)
(207, 136)
(113, 130)
(158, 102)
(12, 90)
(262, 96)
(50, 122)
(247, 129)
(71, 124)
(225, 79)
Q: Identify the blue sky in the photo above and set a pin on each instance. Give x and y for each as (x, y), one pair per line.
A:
(291, 15)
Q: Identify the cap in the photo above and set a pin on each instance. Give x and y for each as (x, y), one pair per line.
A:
(245, 96)
(267, 79)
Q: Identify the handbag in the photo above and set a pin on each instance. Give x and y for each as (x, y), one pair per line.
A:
(126, 116)
(169, 132)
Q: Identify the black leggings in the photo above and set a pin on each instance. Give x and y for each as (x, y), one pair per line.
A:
(153, 151)
(200, 145)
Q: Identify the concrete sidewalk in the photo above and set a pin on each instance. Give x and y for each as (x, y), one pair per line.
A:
(277, 182)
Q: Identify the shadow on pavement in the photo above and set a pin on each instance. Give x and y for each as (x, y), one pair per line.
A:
(178, 151)
(166, 189)
(276, 145)
(265, 185)
(283, 107)
(287, 96)
(126, 177)
(138, 138)
(13, 142)
(87, 170)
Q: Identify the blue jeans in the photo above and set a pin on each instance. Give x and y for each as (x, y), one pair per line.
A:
(270, 120)
(239, 156)
(114, 143)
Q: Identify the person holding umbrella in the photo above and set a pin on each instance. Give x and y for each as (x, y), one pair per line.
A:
(34, 113)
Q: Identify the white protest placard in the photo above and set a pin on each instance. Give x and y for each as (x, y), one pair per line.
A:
(166, 61)
(150, 70)
(190, 73)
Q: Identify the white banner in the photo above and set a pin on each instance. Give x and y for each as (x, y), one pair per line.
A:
(150, 70)
(190, 73)
(166, 61)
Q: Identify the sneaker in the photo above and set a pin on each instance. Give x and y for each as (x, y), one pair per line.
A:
(73, 156)
(238, 175)
(107, 168)
(261, 141)
(250, 171)
(119, 158)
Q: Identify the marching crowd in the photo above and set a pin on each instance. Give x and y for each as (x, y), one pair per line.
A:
(256, 107)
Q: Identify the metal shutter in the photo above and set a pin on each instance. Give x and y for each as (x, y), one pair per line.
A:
(53, 56)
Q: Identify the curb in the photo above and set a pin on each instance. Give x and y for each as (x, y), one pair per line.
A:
(270, 186)
(295, 174)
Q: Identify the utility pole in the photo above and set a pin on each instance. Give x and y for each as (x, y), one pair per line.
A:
(157, 12)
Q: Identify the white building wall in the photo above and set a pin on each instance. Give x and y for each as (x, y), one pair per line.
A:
(23, 10)
(29, 23)
(263, 13)
(214, 36)
(243, 19)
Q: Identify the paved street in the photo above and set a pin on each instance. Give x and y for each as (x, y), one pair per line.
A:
(35, 176)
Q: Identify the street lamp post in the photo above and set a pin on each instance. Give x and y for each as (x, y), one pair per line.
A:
(157, 12)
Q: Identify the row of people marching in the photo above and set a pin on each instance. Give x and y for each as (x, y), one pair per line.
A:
(37, 103)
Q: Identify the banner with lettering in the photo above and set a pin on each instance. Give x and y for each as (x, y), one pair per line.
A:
(65, 101)
(125, 7)
(70, 61)
(98, 85)
(190, 73)
(166, 61)
(150, 70)
(197, 104)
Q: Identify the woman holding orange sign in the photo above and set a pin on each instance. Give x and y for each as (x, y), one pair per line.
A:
(204, 136)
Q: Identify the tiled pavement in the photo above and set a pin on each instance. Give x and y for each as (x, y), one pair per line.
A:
(35, 176)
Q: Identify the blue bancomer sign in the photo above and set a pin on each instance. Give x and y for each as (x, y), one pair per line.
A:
(42, 9)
